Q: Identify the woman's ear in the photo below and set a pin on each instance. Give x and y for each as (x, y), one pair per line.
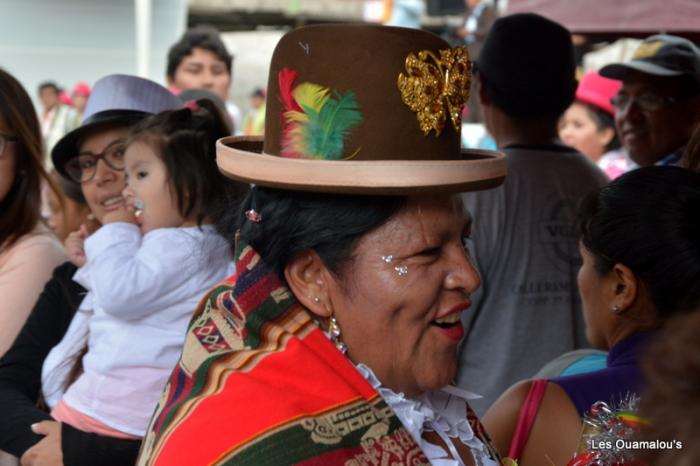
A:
(307, 277)
(625, 288)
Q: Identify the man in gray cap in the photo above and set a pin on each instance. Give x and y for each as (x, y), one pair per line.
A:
(657, 106)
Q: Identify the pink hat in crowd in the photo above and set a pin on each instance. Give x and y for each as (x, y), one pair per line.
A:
(82, 88)
(65, 98)
(593, 89)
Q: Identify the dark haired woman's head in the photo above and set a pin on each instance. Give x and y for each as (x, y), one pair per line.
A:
(392, 272)
(21, 162)
(648, 223)
(178, 148)
(200, 60)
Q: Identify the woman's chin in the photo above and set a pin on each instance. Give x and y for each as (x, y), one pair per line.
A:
(437, 379)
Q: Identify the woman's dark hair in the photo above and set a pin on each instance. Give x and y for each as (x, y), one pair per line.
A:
(186, 141)
(603, 120)
(22, 205)
(292, 222)
(649, 220)
(203, 37)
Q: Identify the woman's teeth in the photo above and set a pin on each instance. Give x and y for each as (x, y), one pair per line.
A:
(449, 319)
(112, 201)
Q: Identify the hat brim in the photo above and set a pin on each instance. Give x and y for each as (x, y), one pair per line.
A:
(621, 70)
(242, 158)
(67, 147)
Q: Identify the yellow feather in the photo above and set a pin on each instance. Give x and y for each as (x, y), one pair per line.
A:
(297, 142)
(293, 116)
(311, 95)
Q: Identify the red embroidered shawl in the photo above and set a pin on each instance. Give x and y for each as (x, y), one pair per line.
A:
(258, 383)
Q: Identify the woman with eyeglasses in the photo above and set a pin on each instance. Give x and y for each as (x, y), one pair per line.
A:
(28, 250)
(90, 156)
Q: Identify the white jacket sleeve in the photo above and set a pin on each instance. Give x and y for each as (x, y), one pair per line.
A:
(133, 276)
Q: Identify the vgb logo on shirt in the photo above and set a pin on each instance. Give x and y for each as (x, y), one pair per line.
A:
(558, 235)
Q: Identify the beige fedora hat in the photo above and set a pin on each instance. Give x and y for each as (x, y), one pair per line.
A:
(363, 109)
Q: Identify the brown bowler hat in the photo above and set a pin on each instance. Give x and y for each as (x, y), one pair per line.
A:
(363, 109)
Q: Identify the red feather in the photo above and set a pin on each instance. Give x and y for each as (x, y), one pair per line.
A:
(286, 79)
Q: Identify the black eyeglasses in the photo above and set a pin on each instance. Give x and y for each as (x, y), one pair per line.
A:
(645, 102)
(83, 167)
(4, 141)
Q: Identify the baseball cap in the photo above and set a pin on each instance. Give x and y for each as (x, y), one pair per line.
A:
(660, 55)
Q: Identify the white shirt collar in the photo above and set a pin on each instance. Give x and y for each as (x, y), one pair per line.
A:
(443, 412)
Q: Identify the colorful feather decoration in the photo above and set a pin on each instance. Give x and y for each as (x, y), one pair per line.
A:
(316, 120)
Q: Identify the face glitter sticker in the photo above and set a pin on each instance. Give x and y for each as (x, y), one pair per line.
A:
(401, 270)
(388, 259)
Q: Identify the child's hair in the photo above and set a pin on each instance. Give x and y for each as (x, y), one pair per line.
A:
(603, 120)
(186, 141)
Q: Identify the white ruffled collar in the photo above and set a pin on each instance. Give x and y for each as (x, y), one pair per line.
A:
(443, 412)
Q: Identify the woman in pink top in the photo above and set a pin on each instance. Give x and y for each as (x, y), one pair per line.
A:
(28, 250)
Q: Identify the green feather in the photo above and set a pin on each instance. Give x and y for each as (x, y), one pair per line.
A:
(326, 129)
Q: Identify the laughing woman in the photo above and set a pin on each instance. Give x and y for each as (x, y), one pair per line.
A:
(336, 341)
(27, 431)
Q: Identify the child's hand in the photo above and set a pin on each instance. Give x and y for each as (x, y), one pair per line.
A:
(74, 246)
(122, 214)
(92, 223)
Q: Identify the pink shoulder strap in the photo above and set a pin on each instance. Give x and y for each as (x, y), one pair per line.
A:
(528, 414)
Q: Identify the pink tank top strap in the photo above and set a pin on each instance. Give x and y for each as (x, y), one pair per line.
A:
(528, 414)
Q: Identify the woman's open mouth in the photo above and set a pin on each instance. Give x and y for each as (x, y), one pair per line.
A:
(113, 203)
(450, 325)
